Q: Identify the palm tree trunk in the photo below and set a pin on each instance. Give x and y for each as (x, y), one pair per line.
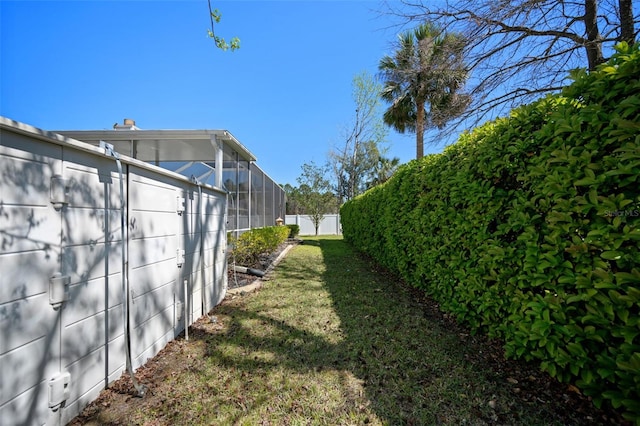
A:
(420, 117)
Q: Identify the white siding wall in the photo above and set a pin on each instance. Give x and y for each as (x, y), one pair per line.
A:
(30, 230)
(82, 240)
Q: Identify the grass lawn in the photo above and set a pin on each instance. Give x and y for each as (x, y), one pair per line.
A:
(331, 340)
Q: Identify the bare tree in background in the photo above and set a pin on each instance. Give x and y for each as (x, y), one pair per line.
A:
(354, 161)
(518, 50)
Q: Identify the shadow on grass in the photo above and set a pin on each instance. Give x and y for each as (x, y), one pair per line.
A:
(329, 339)
(414, 368)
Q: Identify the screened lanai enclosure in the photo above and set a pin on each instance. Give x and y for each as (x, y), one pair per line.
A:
(112, 243)
(254, 200)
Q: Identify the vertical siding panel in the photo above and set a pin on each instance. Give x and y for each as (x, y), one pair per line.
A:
(92, 258)
(155, 229)
(30, 253)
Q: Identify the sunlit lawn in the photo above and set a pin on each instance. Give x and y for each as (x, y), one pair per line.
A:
(327, 340)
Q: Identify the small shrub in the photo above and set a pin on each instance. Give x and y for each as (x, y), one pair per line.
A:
(248, 247)
(294, 230)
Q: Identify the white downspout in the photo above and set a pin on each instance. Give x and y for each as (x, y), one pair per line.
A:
(140, 389)
(202, 265)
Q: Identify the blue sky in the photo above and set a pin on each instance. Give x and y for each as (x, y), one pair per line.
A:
(285, 95)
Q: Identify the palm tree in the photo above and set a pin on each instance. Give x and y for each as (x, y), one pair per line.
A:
(427, 68)
(383, 170)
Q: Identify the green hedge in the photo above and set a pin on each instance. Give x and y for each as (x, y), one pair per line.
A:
(528, 229)
(251, 244)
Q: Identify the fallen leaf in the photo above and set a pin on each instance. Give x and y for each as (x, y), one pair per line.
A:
(574, 389)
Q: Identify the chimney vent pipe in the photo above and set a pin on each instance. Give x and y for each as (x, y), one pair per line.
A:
(128, 124)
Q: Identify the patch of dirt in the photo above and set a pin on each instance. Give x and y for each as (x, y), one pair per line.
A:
(115, 404)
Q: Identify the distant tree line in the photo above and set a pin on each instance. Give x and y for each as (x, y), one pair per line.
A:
(463, 62)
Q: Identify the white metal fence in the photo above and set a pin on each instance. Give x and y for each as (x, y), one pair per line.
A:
(330, 224)
(62, 295)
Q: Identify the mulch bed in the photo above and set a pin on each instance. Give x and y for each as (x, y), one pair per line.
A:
(265, 263)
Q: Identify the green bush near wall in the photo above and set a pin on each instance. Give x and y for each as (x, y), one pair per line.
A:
(294, 230)
(528, 229)
(251, 244)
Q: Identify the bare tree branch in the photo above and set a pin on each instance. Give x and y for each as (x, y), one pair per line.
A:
(354, 161)
(519, 50)
(221, 43)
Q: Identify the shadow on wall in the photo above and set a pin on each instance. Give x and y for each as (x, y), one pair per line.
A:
(41, 240)
(61, 298)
